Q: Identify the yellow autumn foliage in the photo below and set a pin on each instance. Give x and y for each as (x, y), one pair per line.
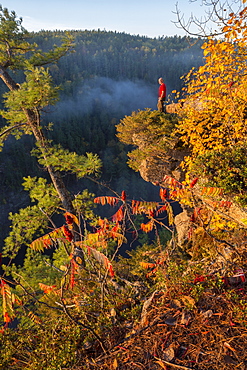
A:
(214, 111)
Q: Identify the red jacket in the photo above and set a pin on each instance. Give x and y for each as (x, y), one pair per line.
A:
(162, 88)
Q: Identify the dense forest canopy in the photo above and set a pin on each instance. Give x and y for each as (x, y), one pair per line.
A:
(107, 76)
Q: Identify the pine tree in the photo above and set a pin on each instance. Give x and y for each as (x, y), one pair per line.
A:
(25, 103)
(26, 100)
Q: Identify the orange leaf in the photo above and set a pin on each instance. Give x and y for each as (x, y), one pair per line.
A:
(111, 272)
(106, 200)
(163, 194)
(171, 182)
(8, 300)
(47, 288)
(115, 364)
(147, 265)
(123, 195)
(135, 206)
(193, 182)
(70, 218)
(34, 318)
(67, 233)
(143, 207)
(161, 210)
(147, 227)
(45, 241)
(6, 318)
(225, 203)
(118, 216)
(72, 273)
(211, 191)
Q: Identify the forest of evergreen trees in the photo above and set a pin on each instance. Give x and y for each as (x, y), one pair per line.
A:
(108, 76)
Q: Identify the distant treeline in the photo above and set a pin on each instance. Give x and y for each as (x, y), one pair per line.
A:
(122, 56)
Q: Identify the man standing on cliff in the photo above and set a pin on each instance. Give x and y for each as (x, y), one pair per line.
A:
(162, 95)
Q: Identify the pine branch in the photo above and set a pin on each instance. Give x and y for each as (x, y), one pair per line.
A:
(11, 128)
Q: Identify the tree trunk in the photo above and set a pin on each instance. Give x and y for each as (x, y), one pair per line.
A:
(55, 176)
(33, 121)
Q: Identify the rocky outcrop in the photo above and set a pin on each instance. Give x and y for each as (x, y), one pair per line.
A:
(160, 152)
(154, 170)
(158, 164)
(173, 108)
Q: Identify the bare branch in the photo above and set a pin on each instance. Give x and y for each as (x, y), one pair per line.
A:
(215, 17)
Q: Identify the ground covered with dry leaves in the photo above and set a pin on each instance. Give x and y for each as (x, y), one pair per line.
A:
(204, 327)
